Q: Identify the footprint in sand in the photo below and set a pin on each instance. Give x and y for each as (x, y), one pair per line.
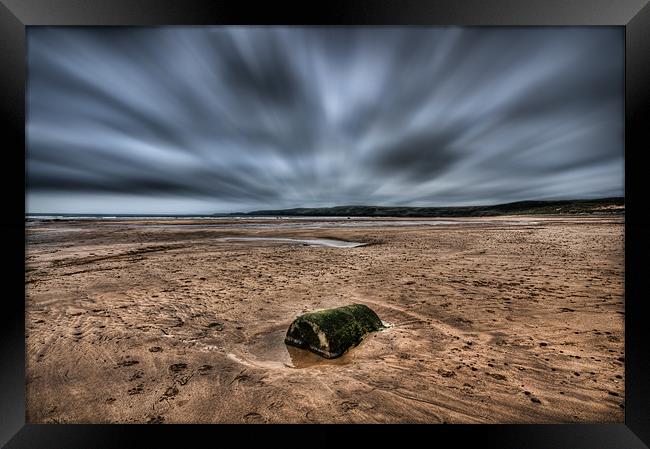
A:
(137, 375)
(254, 418)
(216, 326)
(124, 363)
(136, 390)
(204, 369)
(178, 367)
(497, 376)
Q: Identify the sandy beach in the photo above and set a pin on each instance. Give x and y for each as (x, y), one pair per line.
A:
(491, 320)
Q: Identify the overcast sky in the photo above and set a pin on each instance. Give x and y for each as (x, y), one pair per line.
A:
(222, 119)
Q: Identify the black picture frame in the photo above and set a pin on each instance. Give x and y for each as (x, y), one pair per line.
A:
(16, 15)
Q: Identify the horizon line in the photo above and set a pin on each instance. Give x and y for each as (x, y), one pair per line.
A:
(319, 207)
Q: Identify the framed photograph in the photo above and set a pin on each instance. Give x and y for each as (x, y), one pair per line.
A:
(426, 216)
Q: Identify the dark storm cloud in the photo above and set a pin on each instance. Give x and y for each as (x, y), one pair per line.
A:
(421, 156)
(194, 119)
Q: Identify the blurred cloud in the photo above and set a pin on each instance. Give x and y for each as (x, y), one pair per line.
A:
(220, 119)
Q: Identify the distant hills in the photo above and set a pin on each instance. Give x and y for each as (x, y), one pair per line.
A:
(607, 206)
(602, 206)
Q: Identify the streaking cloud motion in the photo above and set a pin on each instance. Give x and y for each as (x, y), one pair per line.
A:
(221, 119)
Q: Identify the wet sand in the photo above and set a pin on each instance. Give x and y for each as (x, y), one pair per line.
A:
(504, 320)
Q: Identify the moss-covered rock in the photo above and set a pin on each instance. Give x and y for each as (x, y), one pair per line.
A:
(331, 332)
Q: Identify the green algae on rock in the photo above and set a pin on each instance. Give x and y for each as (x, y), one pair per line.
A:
(331, 332)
